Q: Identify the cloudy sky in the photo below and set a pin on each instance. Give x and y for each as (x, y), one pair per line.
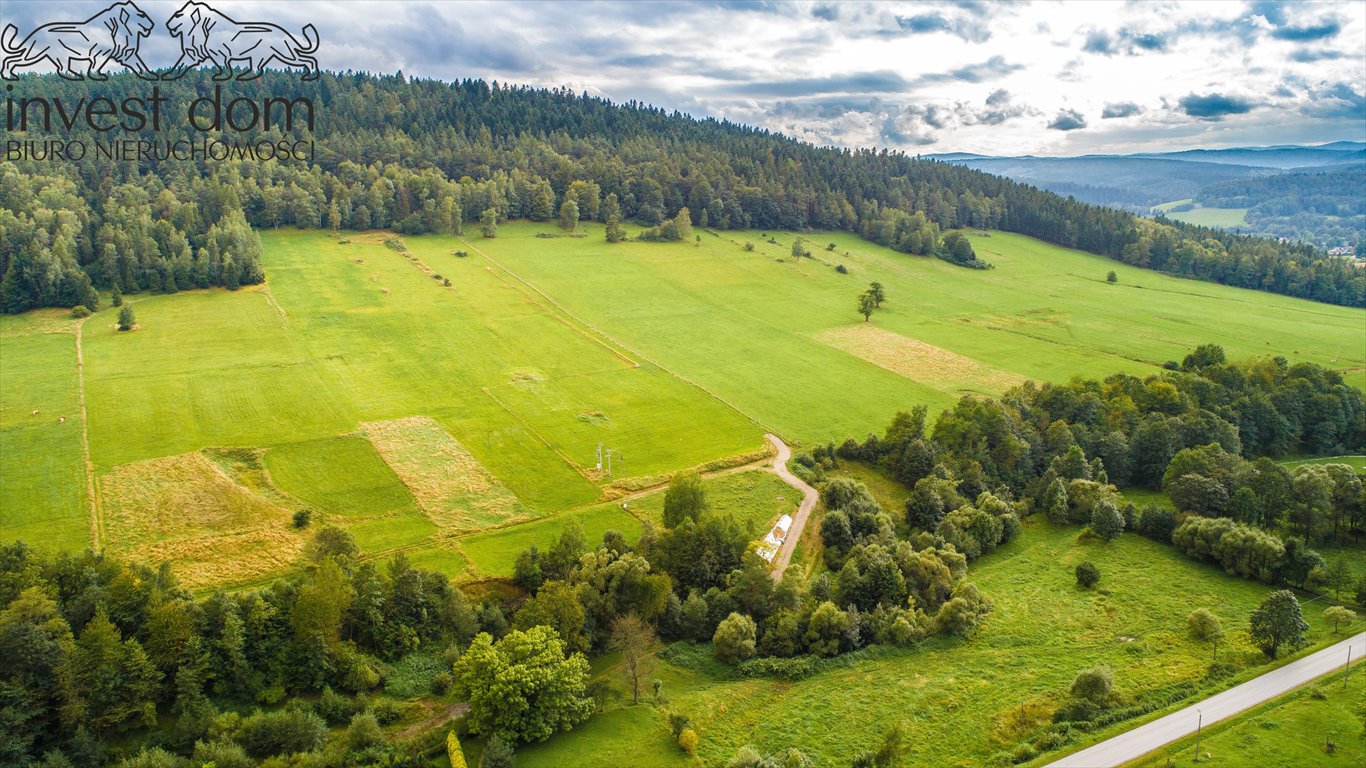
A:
(997, 78)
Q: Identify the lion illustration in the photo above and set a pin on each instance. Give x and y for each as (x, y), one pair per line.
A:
(113, 34)
(207, 35)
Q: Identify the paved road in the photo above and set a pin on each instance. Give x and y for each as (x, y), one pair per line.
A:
(1145, 738)
(809, 499)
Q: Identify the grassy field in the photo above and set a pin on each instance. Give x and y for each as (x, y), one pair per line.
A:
(1227, 218)
(1291, 730)
(447, 420)
(961, 699)
(42, 478)
(779, 339)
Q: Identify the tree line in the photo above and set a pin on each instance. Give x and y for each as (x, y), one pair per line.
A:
(426, 156)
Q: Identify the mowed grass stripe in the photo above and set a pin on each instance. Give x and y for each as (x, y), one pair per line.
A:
(450, 486)
(919, 361)
(187, 510)
(42, 474)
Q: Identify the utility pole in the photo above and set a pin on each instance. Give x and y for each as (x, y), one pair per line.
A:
(609, 462)
(1347, 671)
(599, 457)
(1198, 723)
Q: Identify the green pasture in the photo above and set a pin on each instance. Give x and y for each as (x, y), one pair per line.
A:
(340, 475)
(42, 478)
(741, 324)
(1227, 218)
(540, 349)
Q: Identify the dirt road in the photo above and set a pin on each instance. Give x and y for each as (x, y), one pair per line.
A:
(809, 499)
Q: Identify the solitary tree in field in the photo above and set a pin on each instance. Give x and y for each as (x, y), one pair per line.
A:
(615, 232)
(126, 319)
(1205, 626)
(633, 637)
(1337, 615)
(1087, 574)
(1093, 684)
(1277, 622)
(878, 293)
(1112, 277)
(683, 223)
(866, 305)
(799, 248)
(488, 222)
(569, 215)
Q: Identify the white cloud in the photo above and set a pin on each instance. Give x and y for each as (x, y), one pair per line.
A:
(923, 77)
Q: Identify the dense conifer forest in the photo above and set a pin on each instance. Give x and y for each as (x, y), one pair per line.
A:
(422, 156)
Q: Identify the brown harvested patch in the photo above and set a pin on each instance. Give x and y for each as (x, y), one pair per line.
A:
(451, 487)
(186, 509)
(917, 360)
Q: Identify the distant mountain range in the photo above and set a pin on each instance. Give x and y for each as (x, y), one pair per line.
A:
(1140, 182)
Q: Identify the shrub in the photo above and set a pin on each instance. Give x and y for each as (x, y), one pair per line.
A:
(497, 753)
(749, 246)
(842, 269)
(794, 668)
(441, 684)
(1156, 523)
(1111, 277)
(363, 732)
(733, 641)
(283, 732)
(687, 740)
(1093, 685)
(335, 708)
(302, 518)
(1203, 625)
(1087, 574)
(454, 753)
(80, 311)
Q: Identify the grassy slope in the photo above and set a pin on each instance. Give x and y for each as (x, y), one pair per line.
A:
(1290, 730)
(741, 323)
(1206, 217)
(961, 698)
(352, 333)
(42, 479)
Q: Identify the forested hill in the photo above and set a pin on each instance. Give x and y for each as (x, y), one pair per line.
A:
(428, 156)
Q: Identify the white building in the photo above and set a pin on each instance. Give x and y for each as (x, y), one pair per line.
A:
(773, 540)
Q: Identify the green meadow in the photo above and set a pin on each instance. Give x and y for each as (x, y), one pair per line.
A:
(1227, 218)
(336, 373)
(984, 695)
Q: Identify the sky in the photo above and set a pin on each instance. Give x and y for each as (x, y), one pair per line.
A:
(1000, 78)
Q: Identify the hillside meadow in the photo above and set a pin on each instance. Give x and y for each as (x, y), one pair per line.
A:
(458, 422)
(983, 695)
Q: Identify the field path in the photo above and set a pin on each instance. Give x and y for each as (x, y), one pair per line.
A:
(809, 499)
(96, 514)
(1135, 743)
